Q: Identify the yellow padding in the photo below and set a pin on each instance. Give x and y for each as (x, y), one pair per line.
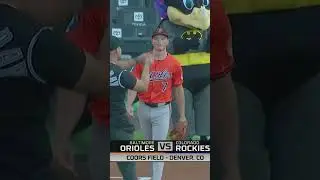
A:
(250, 6)
(193, 58)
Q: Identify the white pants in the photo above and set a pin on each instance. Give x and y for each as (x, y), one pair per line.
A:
(154, 122)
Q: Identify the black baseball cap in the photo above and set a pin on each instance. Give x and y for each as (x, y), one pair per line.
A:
(160, 31)
(114, 43)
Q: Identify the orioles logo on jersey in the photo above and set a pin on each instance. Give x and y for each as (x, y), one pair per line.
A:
(160, 75)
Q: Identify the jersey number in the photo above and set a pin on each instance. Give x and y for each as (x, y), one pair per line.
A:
(164, 86)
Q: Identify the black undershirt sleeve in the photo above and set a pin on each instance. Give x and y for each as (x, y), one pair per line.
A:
(55, 60)
(127, 80)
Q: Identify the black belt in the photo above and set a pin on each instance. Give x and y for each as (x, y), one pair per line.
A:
(154, 105)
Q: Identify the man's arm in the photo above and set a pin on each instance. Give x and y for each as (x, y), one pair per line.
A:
(126, 64)
(54, 60)
(143, 83)
(67, 109)
(94, 77)
(225, 122)
(181, 125)
(131, 97)
(128, 81)
(178, 93)
(104, 53)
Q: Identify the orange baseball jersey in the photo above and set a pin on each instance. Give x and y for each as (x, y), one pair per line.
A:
(164, 74)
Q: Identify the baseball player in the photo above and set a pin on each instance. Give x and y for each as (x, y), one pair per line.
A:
(120, 126)
(155, 105)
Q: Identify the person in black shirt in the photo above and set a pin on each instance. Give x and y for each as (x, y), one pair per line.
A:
(120, 126)
(33, 60)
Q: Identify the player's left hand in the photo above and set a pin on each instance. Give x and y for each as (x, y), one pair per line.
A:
(181, 128)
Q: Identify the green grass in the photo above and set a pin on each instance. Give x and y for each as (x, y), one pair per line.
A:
(138, 135)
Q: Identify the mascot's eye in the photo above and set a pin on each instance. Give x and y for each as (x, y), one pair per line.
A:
(206, 3)
(188, 4)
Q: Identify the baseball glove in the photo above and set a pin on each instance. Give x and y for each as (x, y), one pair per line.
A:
(180, 131)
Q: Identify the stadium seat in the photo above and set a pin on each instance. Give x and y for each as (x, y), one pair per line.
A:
(133, 22)
(136, 47)
(131, 3)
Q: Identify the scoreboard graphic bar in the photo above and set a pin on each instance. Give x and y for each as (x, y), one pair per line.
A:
(160, 151)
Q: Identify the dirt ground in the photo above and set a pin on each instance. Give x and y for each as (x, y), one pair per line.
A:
(172, 171)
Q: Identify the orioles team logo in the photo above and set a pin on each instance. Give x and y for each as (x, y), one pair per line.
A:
(160, 75)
